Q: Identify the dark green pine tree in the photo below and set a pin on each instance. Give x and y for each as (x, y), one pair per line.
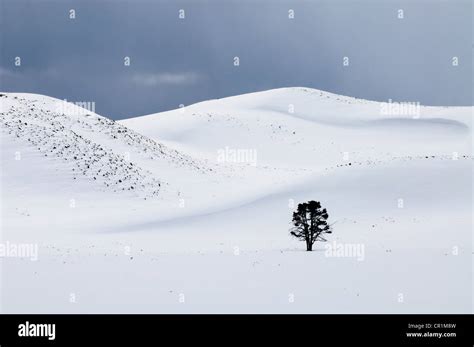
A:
(310, 223)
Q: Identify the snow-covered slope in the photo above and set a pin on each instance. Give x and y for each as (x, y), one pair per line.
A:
(84, 145)
(221, 179)
(310, 129)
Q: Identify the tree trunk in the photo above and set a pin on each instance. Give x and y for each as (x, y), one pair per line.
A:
(309, 246)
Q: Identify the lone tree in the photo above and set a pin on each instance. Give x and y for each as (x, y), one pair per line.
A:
(310, 223)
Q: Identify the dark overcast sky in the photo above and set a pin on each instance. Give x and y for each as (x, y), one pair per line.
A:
(177, 61)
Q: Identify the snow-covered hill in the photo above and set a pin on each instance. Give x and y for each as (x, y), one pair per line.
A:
(205, 226)
(310, 129)
(83, 144)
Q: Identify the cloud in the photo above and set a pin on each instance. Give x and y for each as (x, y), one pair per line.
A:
(29, 72)
(4, 73)
(166, 78)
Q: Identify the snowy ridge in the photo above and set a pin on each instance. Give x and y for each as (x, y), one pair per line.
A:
(90, 145)
(310, 129)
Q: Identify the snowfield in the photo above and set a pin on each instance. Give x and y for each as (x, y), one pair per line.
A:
(188, 211)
